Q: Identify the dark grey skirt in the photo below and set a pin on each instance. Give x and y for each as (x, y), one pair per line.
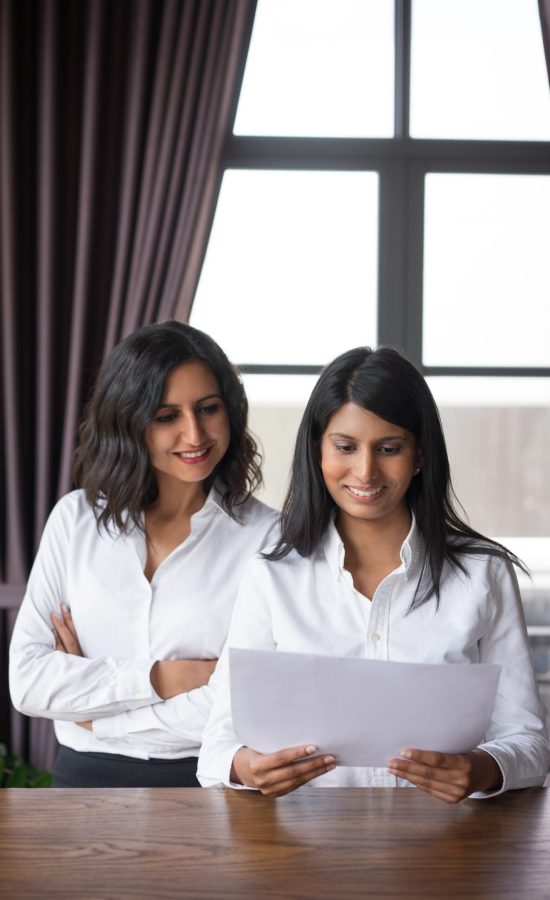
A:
(73, 769)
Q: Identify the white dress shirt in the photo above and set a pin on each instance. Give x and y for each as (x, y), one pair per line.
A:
(309, 605)
(125, 623)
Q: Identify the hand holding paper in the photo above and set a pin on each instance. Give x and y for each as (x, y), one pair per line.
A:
(363, 712)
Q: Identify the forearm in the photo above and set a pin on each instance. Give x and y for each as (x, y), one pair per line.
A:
(57, 685)
(173, 724)
(172, 677)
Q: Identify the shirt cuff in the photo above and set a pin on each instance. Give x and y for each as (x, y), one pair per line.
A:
(226, 761)
(484, 795)
(119, 727)
(134, 680)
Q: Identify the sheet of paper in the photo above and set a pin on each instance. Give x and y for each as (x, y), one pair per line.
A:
(362, 711)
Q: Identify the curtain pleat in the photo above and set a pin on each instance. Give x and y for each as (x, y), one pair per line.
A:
(113, 120)
(133, 112)
(45, 266)
(86, 190)
(15, 561)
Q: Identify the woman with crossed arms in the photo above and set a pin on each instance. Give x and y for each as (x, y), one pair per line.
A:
(373, 561)
(129, 599)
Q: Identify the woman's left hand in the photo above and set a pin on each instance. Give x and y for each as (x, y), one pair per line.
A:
(448, 776)
(66, 638)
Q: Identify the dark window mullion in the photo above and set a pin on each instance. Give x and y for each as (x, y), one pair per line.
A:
(392, 276)
(413, 262)
(402, 68)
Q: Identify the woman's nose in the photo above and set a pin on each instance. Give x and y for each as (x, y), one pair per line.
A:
(366, 467)
(191, 430)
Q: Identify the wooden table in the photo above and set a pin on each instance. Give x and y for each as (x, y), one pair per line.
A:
(381, 842)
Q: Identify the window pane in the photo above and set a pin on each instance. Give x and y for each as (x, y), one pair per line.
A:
(290, 274)
(319, 68)
(497, 432)
(478, 70)
(486, 287)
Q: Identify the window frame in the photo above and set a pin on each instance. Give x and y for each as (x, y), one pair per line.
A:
(402, 164)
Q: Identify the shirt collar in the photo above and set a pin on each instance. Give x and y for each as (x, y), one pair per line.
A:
(210, 508)
(410, 553)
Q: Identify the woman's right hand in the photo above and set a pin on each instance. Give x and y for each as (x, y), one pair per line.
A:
(66, 638)
(276, 774)
(171, 677)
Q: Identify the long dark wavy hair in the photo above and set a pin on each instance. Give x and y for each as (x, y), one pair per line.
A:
(387, 384)
(112, 461)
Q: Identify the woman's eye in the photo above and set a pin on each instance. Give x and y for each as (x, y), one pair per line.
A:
(389, 451)
(209, 410)
(345, 448)
(166, 417)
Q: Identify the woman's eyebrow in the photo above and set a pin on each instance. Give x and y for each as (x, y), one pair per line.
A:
(200, 400)
(349, 437)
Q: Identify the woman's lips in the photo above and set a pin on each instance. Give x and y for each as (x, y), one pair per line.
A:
(192, 457)
(364, 495)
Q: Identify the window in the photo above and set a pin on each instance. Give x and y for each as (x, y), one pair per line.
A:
(336, 199)
(388, 182)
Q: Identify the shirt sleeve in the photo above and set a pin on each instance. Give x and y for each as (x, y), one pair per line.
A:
(251, 628)
(517, 737)
(168, 726)
(57, 685)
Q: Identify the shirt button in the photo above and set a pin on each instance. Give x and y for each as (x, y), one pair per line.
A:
(375, 637)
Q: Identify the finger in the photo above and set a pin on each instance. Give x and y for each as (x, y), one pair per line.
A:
(58, 641)
(283, 757)
(412, 769)
(435, 781)
(448, 796)
(433, 758)
(66, 636)
(68, 619)
(283, 781)
(296, 771)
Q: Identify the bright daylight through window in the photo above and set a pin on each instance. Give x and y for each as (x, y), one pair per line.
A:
(388, 181)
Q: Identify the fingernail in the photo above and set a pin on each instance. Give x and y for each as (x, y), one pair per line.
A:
(329, 760)
(55, 616)
(407, 754)
(311, 749)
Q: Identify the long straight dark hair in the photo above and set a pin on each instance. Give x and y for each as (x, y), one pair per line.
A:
(387, 384)
(112, 462)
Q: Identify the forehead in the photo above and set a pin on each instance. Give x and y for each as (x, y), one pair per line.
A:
(188, 381)
(355, 421)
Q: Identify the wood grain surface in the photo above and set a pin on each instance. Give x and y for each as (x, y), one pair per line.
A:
(168, 843)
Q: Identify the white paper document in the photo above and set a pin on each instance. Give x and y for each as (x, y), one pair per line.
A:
(362, 711)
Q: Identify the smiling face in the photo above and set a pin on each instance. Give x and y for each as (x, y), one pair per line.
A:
(368, 464)
(190, 431)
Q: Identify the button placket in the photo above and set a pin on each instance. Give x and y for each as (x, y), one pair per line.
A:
(378, 622)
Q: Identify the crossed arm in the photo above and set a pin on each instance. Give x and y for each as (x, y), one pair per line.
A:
(168, 677)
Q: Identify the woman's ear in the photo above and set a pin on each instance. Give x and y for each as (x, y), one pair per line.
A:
(419, 461)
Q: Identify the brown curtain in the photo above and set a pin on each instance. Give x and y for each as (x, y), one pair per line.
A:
(113, 118)
(544, 12)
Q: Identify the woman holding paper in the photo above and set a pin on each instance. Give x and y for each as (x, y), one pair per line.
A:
(128, 604)
(374, 562)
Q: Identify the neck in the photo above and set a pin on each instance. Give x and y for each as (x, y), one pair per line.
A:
(176, 499)
(368, 541)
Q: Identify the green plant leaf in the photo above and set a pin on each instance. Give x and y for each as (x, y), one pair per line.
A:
(42, 780)
(19, 777)
(2, 768)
